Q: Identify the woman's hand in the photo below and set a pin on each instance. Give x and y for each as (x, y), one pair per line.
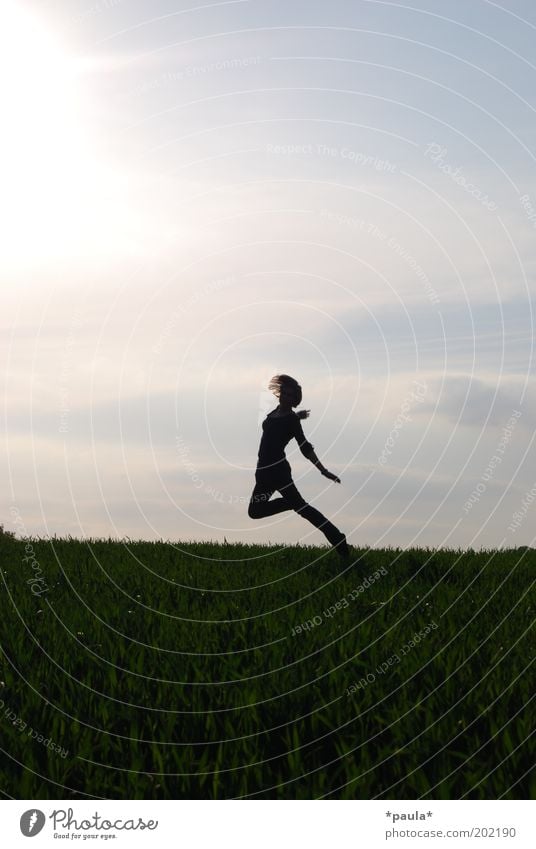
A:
(331, 476)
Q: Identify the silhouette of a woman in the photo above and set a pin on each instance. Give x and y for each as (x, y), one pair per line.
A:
(273, 469)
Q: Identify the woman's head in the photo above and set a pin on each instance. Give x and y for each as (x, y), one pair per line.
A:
(286, 388)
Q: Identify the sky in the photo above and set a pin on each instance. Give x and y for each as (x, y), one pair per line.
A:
(197, 196)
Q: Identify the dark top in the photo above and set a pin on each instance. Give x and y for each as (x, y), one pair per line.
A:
(277, 431)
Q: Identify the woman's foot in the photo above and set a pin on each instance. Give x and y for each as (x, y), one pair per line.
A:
(342, 548)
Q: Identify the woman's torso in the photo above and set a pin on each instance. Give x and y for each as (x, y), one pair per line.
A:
(277, 431)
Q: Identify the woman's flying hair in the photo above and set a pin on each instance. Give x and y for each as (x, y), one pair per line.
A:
(278, 380)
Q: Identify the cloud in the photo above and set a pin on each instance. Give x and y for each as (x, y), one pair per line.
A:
(473, 402)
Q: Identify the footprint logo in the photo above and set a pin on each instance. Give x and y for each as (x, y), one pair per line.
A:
(31, 822)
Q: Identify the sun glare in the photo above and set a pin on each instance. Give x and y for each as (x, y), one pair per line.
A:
(55, 199)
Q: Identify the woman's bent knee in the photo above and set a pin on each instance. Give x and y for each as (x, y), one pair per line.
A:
(253, 510)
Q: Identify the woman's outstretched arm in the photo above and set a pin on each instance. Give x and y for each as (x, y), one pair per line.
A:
(322, 469)
(308, 451)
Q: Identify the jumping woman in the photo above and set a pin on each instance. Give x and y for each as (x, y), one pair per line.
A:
(273, 469)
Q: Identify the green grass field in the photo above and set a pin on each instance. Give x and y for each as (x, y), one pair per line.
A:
(138, 670)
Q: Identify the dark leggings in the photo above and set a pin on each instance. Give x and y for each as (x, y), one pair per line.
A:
(291, 499)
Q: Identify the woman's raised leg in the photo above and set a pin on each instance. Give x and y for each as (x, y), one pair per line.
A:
(296, 501)
(260, 505)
